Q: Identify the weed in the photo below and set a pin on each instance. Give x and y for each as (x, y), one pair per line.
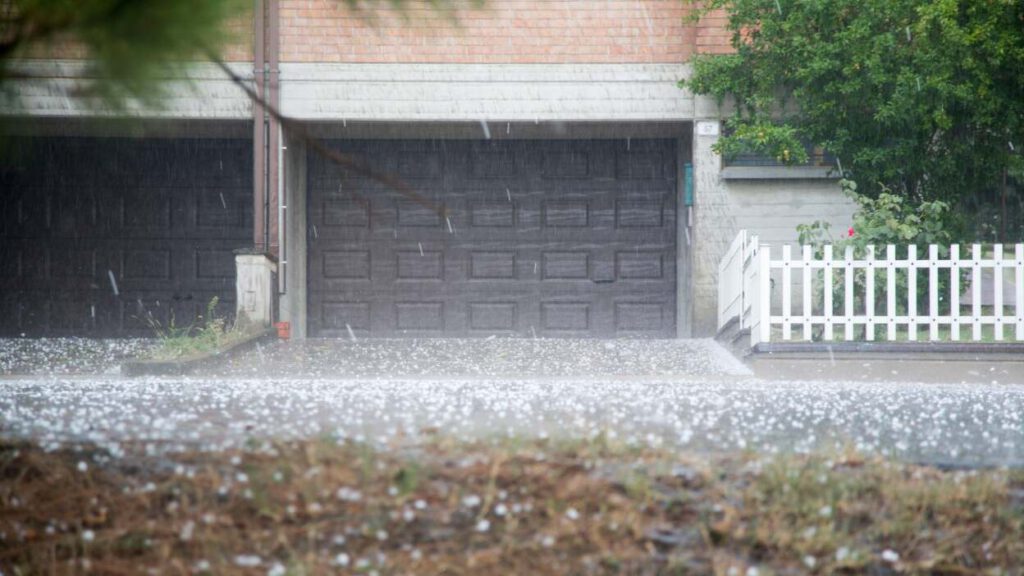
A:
(208, 335)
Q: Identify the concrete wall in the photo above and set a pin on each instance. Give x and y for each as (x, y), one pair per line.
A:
(473, 92)
(53, 88)
(770, 208)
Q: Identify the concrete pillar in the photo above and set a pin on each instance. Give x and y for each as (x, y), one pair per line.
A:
(293, 289)
(684, 243)
(254, 289)
(714, 224)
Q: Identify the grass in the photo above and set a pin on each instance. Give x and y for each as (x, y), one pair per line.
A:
(212, 334)
(524, 507)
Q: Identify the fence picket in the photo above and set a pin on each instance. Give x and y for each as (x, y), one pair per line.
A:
(829, 309)
(954, 292)
(848, 292)
(869, 294)
(976, 292)
(1019, 290)
(890, 292)
(997, 290)
(787, 292)
(933, 292)
(764, 293)
(808, 289)
(912, 292)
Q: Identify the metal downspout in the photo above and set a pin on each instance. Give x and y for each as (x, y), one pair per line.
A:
(259, 176)
(273, 129)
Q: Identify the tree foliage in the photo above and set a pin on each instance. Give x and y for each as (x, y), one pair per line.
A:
(921, 97)
(129, 44)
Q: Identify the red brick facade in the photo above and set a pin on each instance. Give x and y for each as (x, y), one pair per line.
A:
(499, 32)
(712, 35)
(502, 31)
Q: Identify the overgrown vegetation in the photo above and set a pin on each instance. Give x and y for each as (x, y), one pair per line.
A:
(207, 334)
(888, 219)
(510, 507)
(918, 98)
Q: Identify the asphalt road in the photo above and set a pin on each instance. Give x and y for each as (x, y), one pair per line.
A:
(689, 394)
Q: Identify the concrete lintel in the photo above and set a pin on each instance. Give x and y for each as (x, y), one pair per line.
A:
(500, 130)
(501, 92)
(54, 88)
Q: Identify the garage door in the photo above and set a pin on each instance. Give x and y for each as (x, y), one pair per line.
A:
(556, 238)
(99, 237)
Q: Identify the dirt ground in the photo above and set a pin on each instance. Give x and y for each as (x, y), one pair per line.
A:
(503, 506)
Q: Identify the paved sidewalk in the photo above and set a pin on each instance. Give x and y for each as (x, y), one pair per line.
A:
(496, 357)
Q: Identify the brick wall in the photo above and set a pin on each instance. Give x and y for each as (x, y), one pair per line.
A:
(502, 31)
(238, 49)
(712, 37)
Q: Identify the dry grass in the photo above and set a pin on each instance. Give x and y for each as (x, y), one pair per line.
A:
(499, 508)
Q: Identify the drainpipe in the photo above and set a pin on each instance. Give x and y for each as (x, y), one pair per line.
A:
(273, 129)
(259, 154)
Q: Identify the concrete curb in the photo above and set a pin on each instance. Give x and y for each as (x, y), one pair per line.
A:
(183, 366)
(1009, 351)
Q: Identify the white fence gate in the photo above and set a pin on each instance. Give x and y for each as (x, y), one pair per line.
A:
(826, 296)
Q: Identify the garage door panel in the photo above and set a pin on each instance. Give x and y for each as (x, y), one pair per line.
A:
(556, 238)
(93, 226)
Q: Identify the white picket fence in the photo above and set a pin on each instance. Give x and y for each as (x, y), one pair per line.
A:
(850, 298)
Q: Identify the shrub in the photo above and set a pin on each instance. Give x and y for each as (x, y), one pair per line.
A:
(886, 219)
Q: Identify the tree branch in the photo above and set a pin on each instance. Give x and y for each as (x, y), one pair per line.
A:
(299, 130)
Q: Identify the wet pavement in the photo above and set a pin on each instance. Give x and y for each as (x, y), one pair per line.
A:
(491, 357)
(689, 394)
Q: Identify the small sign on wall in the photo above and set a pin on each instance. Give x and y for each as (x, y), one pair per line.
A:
(707, 128)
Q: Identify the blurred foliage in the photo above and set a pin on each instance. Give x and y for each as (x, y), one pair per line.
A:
(130, 44)
(921, 98)
(133, 44)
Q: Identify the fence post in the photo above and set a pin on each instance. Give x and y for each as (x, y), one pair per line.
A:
(829, 305)
(741, 268)
(765, 293)
(954, 292)
(997, 290)
(848, 293)
(869, 295)
(1019, 282)
(808, 289)
(787, 292)
(933, 292)
(976, 292)
(890, 292)
(912, 292)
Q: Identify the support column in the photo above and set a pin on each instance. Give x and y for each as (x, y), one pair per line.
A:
(714, 224)
(293, 295)
(684, 239)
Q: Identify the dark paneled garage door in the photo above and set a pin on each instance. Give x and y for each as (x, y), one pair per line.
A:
(97, 235)
(553, 238)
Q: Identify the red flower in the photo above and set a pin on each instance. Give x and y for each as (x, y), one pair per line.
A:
(850, 231)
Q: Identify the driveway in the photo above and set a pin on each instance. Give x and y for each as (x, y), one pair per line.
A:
(689, 394)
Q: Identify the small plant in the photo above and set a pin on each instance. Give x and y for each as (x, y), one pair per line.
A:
(211, 333)
(888, 219)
